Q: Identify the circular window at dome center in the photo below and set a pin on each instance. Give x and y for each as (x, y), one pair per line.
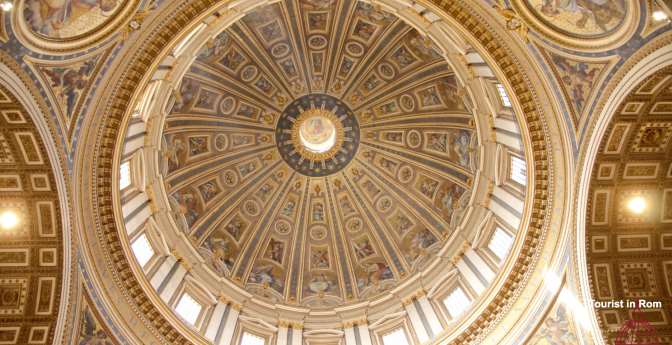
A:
(317, 135)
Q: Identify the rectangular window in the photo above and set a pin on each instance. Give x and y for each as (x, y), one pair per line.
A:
(142, 249)
(456, 302)
(500, 243)
(396, 337)
(251, 339)
(518, 170)
(125, 175)
(188, 309)
(503, 95)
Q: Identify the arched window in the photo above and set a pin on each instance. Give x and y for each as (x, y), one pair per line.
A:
(500, 243)
(188, 309)
(456, 302)
(142, 249)
(125, 175)
(518, 170)
(396, 337)
(251, 339)
(503, 96)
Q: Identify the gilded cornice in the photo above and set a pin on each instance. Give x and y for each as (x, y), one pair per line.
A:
(490, 41)
(355, 322)
(290, 324)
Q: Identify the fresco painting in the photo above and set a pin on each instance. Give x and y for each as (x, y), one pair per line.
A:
(578, 79)
(62, 19)
(557, 329)
(91, 332)
(581, 17)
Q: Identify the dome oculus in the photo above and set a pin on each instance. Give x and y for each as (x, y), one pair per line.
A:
(317, 135)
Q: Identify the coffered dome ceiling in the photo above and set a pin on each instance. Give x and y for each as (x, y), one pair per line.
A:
(318, 165)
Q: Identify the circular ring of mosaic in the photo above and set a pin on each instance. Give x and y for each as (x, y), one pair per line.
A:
(280, 50)
(283, 227)
(355, 224)
(405, 174)
(318, 42)
(317, 135)
(407, 103)
(230, 178)
(318, 233)
(386, 71)
(354, 49)
(221, 142)
(251, 208)
(414, 139)
(228, 105)
(384, 204)
(249, 72)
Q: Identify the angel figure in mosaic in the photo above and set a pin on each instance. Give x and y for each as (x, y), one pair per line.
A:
(186, 205)
(171, 154)
(275, 250)
(185, 94)
(320, 259)
(460, 145)
(288, 210)
(216, 46)
(318, 213)
(363, 248)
